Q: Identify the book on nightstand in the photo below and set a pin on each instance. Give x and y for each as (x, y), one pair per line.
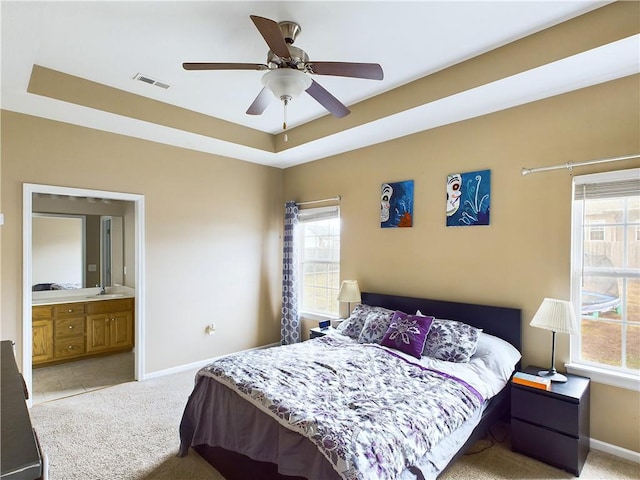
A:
(529, 380)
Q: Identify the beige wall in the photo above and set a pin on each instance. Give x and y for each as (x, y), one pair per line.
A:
(213, 224)
(524, 255)
(212, 233)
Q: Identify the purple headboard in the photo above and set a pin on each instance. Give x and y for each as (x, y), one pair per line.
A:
(502, 322)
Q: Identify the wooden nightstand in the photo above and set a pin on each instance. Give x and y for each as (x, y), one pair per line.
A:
(317, 332)
(552, 426)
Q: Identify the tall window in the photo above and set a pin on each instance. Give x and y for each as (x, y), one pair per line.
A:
(319, 230)
(606, 271)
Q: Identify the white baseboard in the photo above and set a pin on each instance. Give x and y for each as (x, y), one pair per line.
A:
(615, 450)
(197, 365)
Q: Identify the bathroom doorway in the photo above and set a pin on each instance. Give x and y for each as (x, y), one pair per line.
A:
(124, 366)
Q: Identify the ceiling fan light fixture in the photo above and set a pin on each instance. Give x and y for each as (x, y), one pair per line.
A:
(286, 82)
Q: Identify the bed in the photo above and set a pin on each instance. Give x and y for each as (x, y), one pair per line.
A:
(246, 432)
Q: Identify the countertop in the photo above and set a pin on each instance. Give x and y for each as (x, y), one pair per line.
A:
(53, 297)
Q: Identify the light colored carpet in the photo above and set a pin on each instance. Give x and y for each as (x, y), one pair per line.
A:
(130, 431)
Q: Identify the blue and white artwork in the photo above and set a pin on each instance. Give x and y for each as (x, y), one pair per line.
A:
(468, 198)
(396, 205)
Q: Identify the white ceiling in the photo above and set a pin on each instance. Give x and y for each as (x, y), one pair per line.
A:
(110, 42)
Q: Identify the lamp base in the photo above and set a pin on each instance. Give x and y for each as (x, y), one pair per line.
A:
(552, 375)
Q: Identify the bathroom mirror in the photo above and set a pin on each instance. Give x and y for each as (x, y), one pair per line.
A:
(76, 243)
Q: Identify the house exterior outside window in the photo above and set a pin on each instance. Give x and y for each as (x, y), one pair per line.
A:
(319, 230)
(605, 270)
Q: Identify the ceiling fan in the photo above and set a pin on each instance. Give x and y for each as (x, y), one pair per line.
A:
(289, 70)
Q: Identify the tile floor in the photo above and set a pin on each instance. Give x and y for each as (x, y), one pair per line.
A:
(67, 379)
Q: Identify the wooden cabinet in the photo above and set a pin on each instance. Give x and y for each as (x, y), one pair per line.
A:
(42, 334)
(68, 330)
(71, 331)
(552, 426)
(110, 325)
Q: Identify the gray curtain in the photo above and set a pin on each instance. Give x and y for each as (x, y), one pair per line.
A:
(290, 323)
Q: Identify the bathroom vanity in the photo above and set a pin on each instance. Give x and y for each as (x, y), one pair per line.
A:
(69, 328)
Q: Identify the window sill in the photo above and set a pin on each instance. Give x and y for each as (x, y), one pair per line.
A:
(601, 375)
(335, 321)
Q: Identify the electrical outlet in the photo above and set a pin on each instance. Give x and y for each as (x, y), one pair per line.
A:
(211, 329)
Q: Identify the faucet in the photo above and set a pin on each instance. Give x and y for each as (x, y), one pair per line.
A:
(103, 291)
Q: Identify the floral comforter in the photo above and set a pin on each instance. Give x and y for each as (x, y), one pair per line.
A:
(370, 412)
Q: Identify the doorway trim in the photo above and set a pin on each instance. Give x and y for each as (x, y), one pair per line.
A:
(28, 189)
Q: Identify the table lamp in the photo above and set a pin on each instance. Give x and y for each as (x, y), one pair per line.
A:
(350, 293)
(557, 316)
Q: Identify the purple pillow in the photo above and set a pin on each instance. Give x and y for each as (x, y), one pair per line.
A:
(407, 333)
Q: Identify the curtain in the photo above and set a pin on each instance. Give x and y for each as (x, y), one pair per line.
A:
(290, 323)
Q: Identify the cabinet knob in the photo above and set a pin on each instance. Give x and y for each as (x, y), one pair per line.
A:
(70, 327)
(70, 310)
(70, 347)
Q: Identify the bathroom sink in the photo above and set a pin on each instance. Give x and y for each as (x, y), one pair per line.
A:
(107, 295)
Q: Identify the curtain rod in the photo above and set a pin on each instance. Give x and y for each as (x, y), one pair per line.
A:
(570, 165)
(333, 199)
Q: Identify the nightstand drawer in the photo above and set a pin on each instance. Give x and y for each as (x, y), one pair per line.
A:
(544, 410)
(550, 447)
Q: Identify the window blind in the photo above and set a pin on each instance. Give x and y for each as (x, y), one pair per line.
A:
(321, 213)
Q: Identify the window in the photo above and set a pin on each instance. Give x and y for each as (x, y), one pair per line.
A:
(319, 230)
(596, 230)
(606, 273)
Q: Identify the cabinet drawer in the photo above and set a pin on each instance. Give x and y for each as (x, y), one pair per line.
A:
(550, 447)
(68, 309)
(41, 313)
(546, 411)
(109, 306)
(69, 347)
(69, 327)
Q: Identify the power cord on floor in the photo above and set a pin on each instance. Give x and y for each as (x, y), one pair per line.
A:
(497, 433)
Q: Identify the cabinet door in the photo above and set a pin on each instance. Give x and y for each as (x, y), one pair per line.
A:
(121, 330)
(42, 339)
(98, 333)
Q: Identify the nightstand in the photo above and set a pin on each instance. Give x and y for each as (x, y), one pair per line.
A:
(317, 332)
(552, 426)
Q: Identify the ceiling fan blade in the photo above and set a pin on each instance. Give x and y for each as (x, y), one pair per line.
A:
(328, 101)
(372, 71)
(261, 102)
(272, 35)
(224, 66)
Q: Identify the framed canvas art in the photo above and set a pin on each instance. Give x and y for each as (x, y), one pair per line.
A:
(468, 198)
(396, 204)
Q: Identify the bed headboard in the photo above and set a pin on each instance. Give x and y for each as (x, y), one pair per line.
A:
(502, 322)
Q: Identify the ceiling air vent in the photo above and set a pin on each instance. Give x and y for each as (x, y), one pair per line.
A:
(151, 81)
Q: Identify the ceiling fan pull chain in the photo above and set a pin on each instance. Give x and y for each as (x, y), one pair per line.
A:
(284, 122)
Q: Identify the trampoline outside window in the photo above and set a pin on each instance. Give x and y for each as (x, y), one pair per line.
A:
(606, 271)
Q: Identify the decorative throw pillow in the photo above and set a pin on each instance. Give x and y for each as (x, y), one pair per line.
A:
(376, 325)
(451, 341)
(407, 333)
(352, 326)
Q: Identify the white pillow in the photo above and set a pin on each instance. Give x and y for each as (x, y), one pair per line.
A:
(497, 354)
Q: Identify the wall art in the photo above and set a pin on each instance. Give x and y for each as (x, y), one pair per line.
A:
(468, 198)
(396, 205)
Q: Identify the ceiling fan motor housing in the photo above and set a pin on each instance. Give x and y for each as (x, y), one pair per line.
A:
(298, 59)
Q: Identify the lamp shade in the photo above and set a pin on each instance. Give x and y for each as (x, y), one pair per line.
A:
(349, 292)
(556, 315)
(286, 82)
